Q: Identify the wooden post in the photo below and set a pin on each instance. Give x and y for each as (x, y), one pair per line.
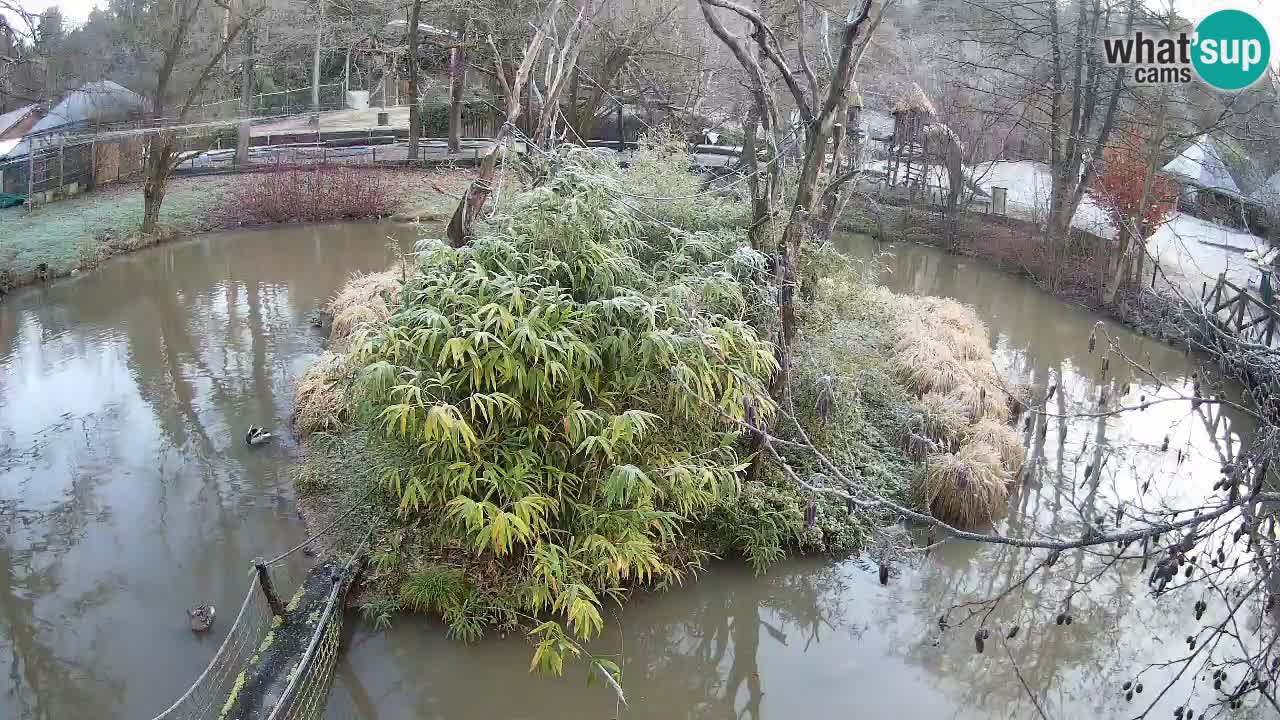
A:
(1243, 304)
(31, 171)
(268, 589)
(622, 146)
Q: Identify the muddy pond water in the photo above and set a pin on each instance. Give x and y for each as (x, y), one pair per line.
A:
(127, 494)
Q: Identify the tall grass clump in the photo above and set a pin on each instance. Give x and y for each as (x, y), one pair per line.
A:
(547, 391)
(969, 487)
(320, 402)
(365, 300)
(942, 352)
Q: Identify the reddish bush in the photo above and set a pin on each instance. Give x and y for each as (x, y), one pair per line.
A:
(317, 194)
(1117, 186)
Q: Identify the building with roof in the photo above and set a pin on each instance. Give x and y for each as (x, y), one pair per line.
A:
(1208, 190)
(15, 124)
(93, 103)
(41, 157)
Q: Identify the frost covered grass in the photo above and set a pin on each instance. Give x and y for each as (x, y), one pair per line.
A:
(78, 233)
(942, 352)
(81, 232)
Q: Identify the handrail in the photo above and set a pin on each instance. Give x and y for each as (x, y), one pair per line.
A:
(248, 597)
(322, 626)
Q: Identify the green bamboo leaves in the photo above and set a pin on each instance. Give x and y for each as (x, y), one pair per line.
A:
(547, 393)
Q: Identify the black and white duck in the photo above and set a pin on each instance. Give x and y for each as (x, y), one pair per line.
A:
(256, 436)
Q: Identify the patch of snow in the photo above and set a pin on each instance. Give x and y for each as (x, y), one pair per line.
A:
(1030, 184)
(876, 123)
(1192, 251)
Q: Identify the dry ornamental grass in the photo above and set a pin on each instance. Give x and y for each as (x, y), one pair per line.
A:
(363, 301)
(942, 352)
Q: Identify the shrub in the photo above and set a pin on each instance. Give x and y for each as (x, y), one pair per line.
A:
(662, 184)
(549, 391)
(319, 194)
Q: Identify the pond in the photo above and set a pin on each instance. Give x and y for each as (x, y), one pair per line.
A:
(127, 494)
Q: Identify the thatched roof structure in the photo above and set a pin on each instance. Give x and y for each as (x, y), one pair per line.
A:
(914, 101)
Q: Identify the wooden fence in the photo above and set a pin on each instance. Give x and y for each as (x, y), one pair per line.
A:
(1246, 315)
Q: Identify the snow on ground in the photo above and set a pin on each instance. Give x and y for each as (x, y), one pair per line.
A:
(1029, 184)
(1192, 251)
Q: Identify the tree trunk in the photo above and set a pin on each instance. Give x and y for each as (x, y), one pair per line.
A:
(246, 99)
(153, 189)
(751, 165)
(460, 224)
(315, 65)
(415, 112)
(457, 83)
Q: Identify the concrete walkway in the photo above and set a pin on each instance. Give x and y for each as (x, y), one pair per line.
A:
(337, 120)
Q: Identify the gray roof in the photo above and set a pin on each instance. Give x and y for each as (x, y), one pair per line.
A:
(1269, 192)
(1201, 166)
(103, 101)
(13, 117)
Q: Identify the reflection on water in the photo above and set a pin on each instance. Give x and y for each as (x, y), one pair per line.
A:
(126, 491)
(824, 639)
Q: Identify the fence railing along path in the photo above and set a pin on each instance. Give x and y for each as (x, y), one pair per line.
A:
(256, 674)
(1242, 313)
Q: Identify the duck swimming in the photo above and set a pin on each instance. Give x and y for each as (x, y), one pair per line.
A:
(256, 436)
(201, 618)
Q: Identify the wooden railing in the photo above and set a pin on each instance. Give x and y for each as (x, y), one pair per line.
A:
(1246, 315)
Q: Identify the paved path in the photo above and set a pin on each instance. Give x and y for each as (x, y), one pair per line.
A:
(337, 120)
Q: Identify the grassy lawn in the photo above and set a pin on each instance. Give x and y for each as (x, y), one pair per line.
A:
(79, 233)
(76, 233)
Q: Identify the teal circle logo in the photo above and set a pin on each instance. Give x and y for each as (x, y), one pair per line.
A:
(1232, 50)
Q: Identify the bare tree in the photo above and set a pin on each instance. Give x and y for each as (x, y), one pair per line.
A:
(181, 46)
(1075, 96)
(415, 109)
(459, 230)
(818, 110)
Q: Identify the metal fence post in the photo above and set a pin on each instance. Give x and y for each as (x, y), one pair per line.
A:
(31, 172)
(268, 588)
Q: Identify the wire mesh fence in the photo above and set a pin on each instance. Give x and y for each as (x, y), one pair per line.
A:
(273, 104)
(305, 696)
(55, 170)
(220, 686)
(211, 690)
